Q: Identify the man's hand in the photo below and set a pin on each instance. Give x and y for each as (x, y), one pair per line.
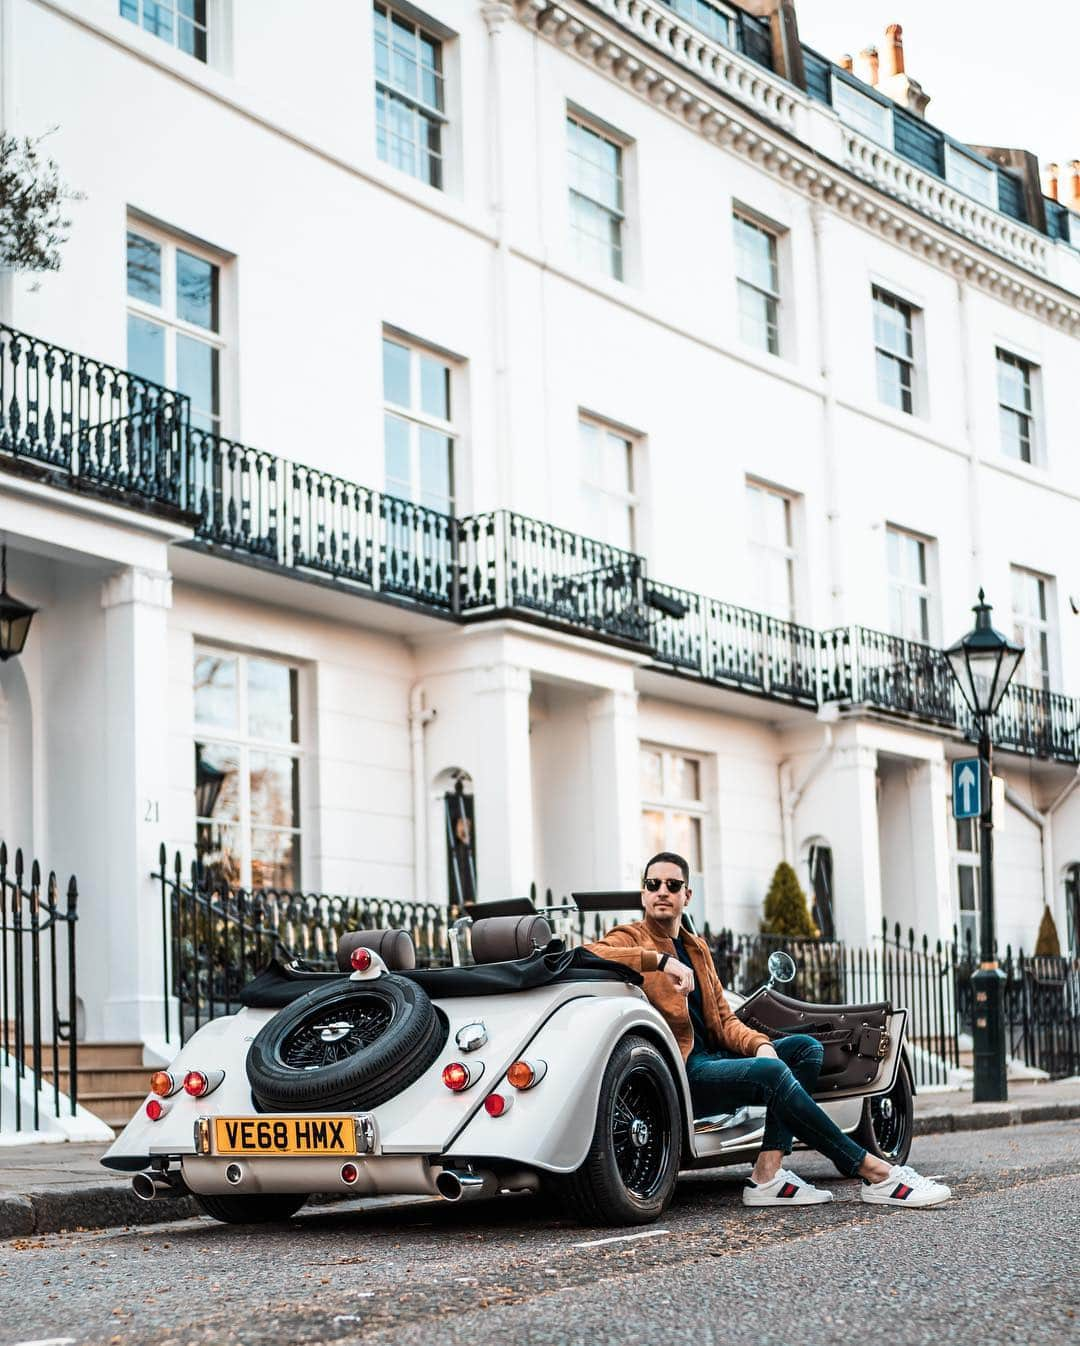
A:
(680, 974)
(767, 1049)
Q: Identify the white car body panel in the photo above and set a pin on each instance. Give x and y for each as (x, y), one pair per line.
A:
(572, 1026)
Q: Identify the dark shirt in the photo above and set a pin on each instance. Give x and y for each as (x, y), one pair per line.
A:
(694, 1002)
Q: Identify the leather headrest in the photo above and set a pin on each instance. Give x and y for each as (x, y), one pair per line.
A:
(394, 947)
(501, 939)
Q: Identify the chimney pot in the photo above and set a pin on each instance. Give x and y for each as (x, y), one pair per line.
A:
(1052, 181)
(1075, 185)
(868, 66)
(894, 49)
(845, 62)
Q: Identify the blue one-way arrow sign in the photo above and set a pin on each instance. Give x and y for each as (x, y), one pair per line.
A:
(967, 788)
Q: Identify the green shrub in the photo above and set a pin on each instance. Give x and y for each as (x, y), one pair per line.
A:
(1047, 945)
(786, 911)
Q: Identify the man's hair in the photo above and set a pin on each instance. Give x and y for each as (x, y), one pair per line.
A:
(668, 857)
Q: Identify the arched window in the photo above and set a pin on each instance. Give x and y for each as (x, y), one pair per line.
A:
(821, 888)
(1072, 907)
(460, 809)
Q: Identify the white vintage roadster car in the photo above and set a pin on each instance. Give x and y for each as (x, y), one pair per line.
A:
(536, 1066)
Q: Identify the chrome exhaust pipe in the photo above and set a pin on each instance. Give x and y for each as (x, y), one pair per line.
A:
(455, 1184)
(148, 1188)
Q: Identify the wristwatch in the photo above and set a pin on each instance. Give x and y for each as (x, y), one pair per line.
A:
(664, 957)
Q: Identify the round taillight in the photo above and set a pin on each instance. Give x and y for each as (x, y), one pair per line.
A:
(155, 1109)
(360, 959)
(195, 1083)
(521, 1075)
(456, 1076)
(161, 1083)
(496, 1104)
(349, 1173)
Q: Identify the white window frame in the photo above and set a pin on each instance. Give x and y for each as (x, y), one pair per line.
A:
(210, 29)
(914, 363)
(418, 419)
(670, 804)
(1025, 625)
(971, 176)
(774, 343)
(629, 499)
(618, 142)
(245, 743)
(164, 315)
(1031, 370)
(789, 553)
(421, 110)
(862, 113)
(907, 589)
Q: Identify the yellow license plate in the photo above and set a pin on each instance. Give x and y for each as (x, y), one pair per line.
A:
(285, 1135)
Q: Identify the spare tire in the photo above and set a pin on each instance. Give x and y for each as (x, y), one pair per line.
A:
(345, 1046)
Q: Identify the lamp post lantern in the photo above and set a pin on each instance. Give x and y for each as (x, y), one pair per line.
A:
(983, 663)
(15, 616)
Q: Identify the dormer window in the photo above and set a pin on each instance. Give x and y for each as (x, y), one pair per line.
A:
(713, 21)
(970, 176)
(864, 114)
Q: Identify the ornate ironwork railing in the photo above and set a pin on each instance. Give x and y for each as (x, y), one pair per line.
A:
(38, 1000)
(85, 425)
(509, 562)
(78, 421)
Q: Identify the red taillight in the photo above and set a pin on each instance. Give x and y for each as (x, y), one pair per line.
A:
(349, 1173)
(496, 1104)
(456, 1076)
(360, 959)
(196, 1084)
(162, 1084)
(524, 1074)
(155, 1109)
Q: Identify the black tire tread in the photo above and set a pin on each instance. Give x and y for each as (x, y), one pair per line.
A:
(253, 1209)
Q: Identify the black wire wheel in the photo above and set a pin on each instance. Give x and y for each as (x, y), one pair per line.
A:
(887, 1122)
(629, 1172)
(350, 1045)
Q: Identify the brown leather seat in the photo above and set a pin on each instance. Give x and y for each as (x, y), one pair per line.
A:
(500, 939)
(394, 947)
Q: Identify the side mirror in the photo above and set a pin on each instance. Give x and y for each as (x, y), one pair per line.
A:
(781, 967)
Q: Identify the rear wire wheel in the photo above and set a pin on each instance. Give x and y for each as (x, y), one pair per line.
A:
(887, 1123)
(632, 1163)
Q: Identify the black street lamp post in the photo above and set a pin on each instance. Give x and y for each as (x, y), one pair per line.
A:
(983, 664)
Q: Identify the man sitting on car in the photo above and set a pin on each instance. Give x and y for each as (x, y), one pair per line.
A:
(729, 1065)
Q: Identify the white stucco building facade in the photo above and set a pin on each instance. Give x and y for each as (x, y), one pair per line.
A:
(783, 397)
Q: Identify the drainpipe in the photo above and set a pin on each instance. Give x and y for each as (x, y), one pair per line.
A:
(791, 795)
(828, 419)
(7, 124)
(974, 483)
(1043, 822)
(419, 716)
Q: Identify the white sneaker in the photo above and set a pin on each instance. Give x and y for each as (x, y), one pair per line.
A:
(786, 1189)
(905, 1187)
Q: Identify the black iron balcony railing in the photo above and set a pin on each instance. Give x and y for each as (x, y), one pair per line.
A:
(86, 426)
(76, 421)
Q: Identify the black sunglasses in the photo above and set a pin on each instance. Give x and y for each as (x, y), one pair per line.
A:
(673, 885)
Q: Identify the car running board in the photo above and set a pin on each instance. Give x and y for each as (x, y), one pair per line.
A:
(723, 1121)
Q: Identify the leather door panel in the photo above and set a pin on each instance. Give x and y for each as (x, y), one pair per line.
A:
(861, 1042)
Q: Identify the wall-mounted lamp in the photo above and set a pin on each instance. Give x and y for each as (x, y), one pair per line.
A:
(15, 616)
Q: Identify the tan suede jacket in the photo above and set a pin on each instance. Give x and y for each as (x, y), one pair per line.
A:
(640, 946)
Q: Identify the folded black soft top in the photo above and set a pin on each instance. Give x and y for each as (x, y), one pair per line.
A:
(280, 983)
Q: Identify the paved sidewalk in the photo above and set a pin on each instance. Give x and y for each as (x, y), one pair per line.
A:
(45, 1188)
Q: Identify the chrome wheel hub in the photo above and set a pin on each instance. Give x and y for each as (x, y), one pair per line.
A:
(639, 1133)
(333, 1032)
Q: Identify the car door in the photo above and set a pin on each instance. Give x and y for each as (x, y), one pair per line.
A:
(862, 1042)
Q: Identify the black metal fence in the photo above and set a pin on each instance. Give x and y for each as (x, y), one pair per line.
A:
(86, 425)
(38, 1002)
(215, 938)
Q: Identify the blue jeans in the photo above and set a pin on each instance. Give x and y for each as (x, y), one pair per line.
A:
(720, 1084)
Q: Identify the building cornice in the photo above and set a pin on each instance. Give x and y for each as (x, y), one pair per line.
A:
(751, 113)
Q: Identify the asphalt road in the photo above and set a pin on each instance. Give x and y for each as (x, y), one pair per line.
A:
(995, 1265)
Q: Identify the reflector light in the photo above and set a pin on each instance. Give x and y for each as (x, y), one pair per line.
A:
(360, 959)
(161, 1083)
(496, 1104)
(195, 1083)
(155, 1109)
(521, 1075)
(349, 1173)
(456, 1076)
